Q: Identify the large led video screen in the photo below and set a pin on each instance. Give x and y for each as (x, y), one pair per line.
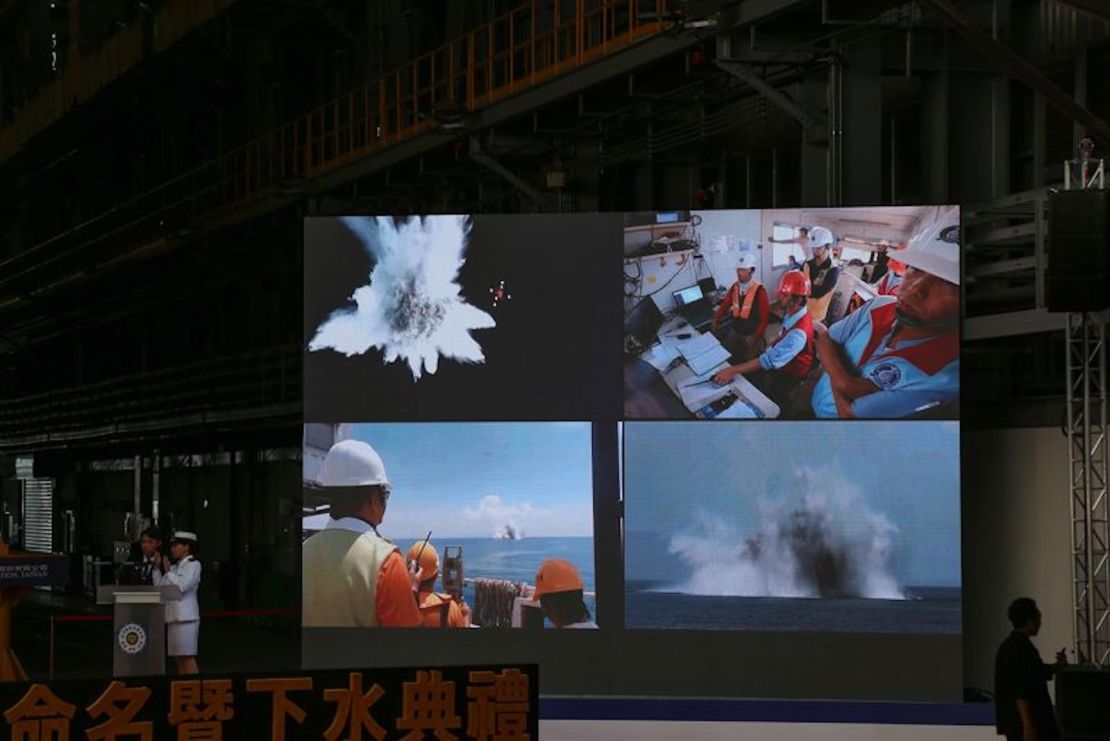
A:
(793, 314)
(462, 317)
(738, 441)
(478, 508)
(798, 526)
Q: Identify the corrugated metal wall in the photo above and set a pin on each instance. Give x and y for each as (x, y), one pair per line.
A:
(38, 515)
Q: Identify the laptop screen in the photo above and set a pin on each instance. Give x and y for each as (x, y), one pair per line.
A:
(687, 296)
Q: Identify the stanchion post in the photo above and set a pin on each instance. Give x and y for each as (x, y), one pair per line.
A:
(50, 669)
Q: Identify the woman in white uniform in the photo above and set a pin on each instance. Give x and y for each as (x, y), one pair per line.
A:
(182, 616)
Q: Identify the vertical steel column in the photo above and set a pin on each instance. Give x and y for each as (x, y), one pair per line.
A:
(833, 169)
(137, 502)
(155, 485)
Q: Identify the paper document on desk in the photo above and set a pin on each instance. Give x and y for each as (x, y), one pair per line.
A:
(704, 379)
(691, 349)
(696, 395)
(707, 360)
(671, 344)
(659, 357)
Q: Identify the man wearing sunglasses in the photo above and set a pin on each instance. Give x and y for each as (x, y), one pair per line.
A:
(352, 576)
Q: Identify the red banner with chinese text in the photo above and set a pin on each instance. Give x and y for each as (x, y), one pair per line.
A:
(484, 703)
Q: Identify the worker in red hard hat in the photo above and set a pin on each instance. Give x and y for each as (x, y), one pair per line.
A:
(888, 284)
(789, 358)
(438, 610)
(559, 590)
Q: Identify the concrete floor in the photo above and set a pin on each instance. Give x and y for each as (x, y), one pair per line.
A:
(83, 650)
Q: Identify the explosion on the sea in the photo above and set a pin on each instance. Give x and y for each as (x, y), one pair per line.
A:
(817, 537)
(411, 308)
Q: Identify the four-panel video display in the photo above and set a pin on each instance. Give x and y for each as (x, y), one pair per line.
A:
(784, 384)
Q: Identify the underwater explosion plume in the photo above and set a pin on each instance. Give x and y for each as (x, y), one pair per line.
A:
(816, 538)
(411, 308)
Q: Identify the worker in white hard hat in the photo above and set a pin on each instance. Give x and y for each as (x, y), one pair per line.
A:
(741, 319)
(817, 243)
(353, 577)
(898, 356)
(822, 273)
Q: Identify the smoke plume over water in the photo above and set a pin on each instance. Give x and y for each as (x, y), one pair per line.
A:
(411, 308)
(817, 537)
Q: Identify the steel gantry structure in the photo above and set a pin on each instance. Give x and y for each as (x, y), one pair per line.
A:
(1088, 461)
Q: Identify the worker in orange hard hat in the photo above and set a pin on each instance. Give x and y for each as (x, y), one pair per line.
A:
(788, 359)
(559, 591)
(437, 610)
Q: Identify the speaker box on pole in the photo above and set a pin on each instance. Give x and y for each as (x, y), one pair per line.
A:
(1078, 251)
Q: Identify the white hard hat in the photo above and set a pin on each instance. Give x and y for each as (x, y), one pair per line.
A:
(746, 260)
(935, 248)
(353, 463)
(820, 236)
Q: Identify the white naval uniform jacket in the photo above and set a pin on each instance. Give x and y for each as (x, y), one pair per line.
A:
(185, 575)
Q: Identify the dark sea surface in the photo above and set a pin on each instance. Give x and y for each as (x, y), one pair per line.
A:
(929, 610)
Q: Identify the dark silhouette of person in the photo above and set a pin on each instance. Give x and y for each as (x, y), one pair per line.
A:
(1023, 708)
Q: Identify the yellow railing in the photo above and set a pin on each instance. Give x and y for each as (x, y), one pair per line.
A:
(523, 48)
(518, 50)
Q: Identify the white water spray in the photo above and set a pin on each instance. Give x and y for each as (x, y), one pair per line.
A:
(816, 538)
(412, 308)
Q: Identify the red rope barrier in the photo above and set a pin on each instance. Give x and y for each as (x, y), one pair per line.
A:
(108, 618)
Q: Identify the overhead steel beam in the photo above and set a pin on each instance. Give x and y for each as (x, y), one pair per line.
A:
(1030, 321)
(745, 72)
(1013, 64)
(1097, 8)
(491, 164)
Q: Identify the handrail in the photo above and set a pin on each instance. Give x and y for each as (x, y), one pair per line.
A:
(518, 50)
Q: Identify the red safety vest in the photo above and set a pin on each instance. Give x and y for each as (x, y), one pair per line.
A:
(888, 284)
(929, 357)
(803, 361)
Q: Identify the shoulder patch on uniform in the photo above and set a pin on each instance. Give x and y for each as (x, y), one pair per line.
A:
(886, 376)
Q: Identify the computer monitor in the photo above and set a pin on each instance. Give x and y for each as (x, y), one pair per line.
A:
(687, 296)
(707, 285)
(644, 321)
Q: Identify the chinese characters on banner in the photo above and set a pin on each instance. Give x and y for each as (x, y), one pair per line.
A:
(483, 703)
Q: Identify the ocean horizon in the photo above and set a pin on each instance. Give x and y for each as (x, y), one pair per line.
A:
(515, 560)
(926, 610)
